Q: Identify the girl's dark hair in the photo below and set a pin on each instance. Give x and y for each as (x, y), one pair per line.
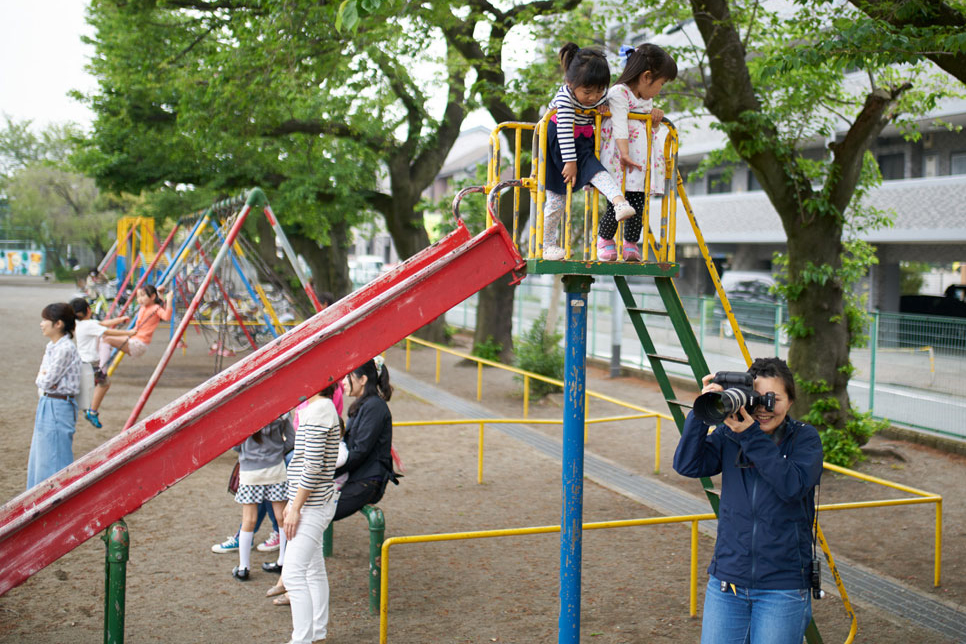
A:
(649, 58)
(61, 312)
(329, 391)
(80, 306)
(377, 383)
(326, 298)
(152, 292)
(774, 368)
(585, 67)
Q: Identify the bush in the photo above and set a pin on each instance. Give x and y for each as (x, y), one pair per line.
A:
(540, 352)
(843, 446)
(489, 350)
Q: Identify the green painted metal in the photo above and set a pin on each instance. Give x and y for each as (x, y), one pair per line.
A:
(570, 267)
(117, 543)
(873, 349)
(377, 533)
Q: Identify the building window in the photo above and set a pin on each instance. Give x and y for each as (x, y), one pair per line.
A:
(892, 166)
(753, 182)
(719, 183)
(930, 165)
(957, 163)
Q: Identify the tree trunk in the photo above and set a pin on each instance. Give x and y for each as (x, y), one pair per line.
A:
(329, 264)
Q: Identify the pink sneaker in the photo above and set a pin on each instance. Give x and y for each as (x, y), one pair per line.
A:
(271, 544)
(631, 252)
(606, 250)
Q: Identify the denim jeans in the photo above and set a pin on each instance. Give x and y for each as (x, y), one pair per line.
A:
(304, 575)
(52, 445)
(754, 616)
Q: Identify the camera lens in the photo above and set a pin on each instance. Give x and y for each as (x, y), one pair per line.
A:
(714, 406)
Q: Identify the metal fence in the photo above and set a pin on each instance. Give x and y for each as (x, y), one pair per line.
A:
(912, 372)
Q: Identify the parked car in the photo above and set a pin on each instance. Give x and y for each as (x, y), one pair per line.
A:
(365, 268)
(942, 321)
(754, 305)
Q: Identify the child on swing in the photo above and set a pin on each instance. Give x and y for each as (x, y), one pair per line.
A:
(134, 341)
(624, 144)
(570, 142)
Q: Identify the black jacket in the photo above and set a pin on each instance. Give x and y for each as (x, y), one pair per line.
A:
(767, 501)
(368, 438)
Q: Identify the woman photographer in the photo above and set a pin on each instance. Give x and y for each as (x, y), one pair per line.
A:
(760, 584)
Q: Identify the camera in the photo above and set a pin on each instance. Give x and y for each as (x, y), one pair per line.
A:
(714, 406)
(817, 592)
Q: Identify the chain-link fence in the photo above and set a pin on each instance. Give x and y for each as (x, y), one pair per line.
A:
(912, 372)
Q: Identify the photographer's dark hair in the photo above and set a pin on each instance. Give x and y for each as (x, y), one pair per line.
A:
(152, 292)
(585, 67)
(61, 312)
(377, 383)
(80, 306)
(774, 368)
(649, 58)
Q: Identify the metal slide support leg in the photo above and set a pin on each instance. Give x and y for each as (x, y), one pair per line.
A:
(115, 581)
(377, 532)
(572, 479)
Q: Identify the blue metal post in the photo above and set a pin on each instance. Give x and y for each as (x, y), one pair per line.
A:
(576, 287)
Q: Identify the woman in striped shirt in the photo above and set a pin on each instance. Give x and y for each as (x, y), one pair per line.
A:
(58, 382)
(570, 142)
(312, 500)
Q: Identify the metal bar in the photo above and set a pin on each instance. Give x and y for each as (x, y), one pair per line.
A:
(693, 582)
(52, 518)
(271, 322)
(479, 454)
(377, 533)
(150, 270)
(120, 289)
(572, 476)
(292, 257)
(873, 346)
(227, 297)
(117, 542)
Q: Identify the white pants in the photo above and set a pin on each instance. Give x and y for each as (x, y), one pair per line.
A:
(86, 394)
(304, 576)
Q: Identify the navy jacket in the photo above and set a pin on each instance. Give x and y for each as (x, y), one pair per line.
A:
(767, 501)
(368, 437)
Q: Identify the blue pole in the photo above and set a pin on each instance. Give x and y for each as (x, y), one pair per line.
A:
(572, 479)
(248, 286)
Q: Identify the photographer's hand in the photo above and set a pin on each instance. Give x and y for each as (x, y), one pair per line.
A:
(710, 386)
(739, 421)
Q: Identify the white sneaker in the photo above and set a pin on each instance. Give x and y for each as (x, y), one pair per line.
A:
(553, 253)
(624, 210)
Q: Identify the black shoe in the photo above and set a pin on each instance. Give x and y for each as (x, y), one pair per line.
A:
(272, 566)
(241, 574)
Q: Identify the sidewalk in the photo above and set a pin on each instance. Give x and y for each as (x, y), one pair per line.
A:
(862, 584)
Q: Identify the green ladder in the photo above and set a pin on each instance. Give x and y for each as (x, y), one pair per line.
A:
(694, 358)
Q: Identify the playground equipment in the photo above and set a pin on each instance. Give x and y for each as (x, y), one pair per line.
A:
(578, 269)
(51, 519)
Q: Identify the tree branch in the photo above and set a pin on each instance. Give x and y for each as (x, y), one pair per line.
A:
(331, 128)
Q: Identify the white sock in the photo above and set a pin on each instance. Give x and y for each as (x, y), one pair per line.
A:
(282, 540)
(245, 549)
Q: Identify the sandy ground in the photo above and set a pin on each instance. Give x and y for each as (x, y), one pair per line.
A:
(635, 581)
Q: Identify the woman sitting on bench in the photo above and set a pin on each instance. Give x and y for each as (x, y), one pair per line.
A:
(368, 438)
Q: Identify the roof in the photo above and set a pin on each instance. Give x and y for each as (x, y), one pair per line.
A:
(925, 211)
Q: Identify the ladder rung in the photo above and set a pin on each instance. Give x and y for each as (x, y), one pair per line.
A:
(634, 309)
(657, 356)
(680, 403)
(714, 491)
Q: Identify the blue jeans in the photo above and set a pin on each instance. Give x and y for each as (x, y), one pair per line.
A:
(52, 445)
(753, 616)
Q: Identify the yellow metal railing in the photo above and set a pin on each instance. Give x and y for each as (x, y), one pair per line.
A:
(661, 249)
(642, 412)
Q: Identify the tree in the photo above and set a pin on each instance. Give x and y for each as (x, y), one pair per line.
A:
(48, 199)
(266, 93)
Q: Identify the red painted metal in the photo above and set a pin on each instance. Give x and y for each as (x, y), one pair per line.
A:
(227, 298)
(188, 315)
(151, 267)
(120, 289)
(110, 256)
(49, 520)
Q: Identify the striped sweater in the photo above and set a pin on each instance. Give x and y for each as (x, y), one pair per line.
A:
(566, 105)
(316, 451)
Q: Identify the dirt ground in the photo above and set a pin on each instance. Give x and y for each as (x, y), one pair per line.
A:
(635, 581)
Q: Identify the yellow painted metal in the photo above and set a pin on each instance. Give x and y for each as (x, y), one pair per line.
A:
(670, 167)
(526, 396)
(237, 323)
(694, 569)
(409, 346)
(646, 215)
(568, 222)
(713, 272)
(838, 581)
(479, 456)
(517, 168)
(479, 381)
(438, 352)
(657, 445)
(490, 534)
(937, 563)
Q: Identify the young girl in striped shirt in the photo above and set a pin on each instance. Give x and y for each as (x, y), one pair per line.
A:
(312, 500)
(570, 142)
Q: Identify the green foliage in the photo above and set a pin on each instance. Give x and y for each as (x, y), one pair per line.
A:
(489, 350)
(841, 446)
(540, 352)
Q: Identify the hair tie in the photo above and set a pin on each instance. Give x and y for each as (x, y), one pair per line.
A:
(626, 52)
(380, 363)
